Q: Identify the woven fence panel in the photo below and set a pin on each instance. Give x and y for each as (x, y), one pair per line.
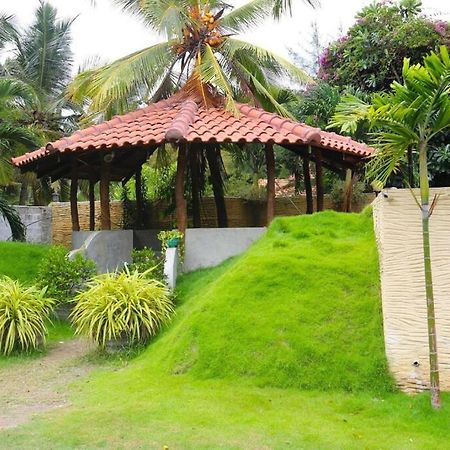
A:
(399, 237)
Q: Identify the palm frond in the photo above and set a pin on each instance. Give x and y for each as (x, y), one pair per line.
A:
(9, 213)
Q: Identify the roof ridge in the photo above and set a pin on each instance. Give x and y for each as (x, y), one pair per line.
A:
(182, 121)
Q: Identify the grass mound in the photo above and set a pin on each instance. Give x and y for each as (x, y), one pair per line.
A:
(20, 260)
(300, 309)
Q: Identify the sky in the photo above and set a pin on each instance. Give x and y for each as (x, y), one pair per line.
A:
(104, 31)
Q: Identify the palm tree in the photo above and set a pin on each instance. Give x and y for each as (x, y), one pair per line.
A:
(200, 43)
(41, 58)
(18, 229)
(408, 117)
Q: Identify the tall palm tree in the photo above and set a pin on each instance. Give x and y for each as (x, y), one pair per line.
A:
(200, 43)
(41, 57)
(409, 117)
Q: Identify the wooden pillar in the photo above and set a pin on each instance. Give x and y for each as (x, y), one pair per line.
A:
(214, 162)
(308, 187)
(319, 179)
(195, 186)
(348, 191)
(139, 197)
(270, 164)
(104, 194)
(74, 197)
(92, 203)
(179, 188)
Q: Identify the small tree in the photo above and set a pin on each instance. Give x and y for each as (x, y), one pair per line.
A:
(408, 117)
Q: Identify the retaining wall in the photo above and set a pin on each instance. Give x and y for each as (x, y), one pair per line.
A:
(38, 221)
(399, 235)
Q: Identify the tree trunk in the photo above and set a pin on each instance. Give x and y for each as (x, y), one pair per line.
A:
(213, 157)
(139, 198)
(297, 177)
(74, 197)
(308, 187)
(23, 196)
(92, 204)
(410, 168)
(179, 188)
(270, 164)
(319, 180)
(104, 195)
(431, 321)
(348, 191)
(195, 186)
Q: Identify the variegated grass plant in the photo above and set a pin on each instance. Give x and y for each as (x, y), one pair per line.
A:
(125, 306)
(23, 314)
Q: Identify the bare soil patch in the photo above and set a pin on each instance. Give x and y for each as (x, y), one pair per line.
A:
(39, 385)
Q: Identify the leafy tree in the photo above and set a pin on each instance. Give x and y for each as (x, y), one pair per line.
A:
(199, 44)
(370, 55)
(409, 117)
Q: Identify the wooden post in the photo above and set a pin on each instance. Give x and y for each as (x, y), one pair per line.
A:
(74, 197)
(270, 164)
(319, 180)
(179, 188)
(213, 157)
(348, 191)
(92, 203)
(308, 187)
(139, 197)
(195, 173)
(104, 194)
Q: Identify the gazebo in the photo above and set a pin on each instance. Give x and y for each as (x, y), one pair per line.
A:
(194, 121)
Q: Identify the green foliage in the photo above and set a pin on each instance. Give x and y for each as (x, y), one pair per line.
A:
(166, 235)
(23, 312)
(18, 229)
(125, 305)
(64, 277)
(147, 261)
(370, 56)
(337, 193)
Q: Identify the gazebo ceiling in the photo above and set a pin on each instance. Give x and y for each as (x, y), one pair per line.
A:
(184, 117)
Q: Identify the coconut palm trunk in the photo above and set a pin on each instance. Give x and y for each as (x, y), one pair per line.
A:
(431, 320)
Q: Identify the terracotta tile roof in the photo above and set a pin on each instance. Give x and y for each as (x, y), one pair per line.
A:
(184, 117)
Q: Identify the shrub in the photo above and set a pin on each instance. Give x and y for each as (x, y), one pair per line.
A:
(337, 193)
(146, 260)
(122, 306)
(23, 313)
(63, 277)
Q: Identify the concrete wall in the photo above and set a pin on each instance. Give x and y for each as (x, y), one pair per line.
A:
(399, 235)
(109, 249)
(37, 219)
(207, 247)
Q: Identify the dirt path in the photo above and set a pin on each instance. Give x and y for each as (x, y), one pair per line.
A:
(39, 385)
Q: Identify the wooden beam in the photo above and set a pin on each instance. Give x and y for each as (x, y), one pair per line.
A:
(348, 191)
(270, 164)
(195, 185)
(319, 180)
(308, 186)
(179, 188)
(214, 162)
(104, 194)
(139, 197)
(92, 203)
(74, 197)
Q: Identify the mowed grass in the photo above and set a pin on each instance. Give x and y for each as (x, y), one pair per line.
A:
(279, 348)
(20, 260)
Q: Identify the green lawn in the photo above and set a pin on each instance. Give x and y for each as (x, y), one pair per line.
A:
(20, 261)
(280, 348)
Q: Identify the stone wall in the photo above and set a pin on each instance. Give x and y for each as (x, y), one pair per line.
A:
(38, 221)
(399, 236)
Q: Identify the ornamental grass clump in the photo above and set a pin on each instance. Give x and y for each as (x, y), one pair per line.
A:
(125, 307)
(23, 314)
